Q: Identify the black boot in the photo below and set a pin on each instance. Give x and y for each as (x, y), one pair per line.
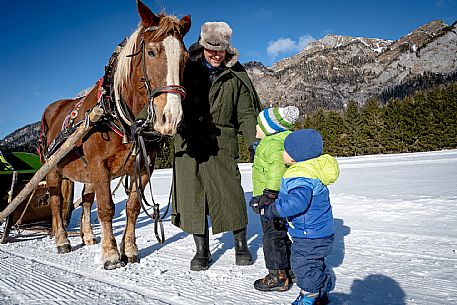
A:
(323, 299)
(275, 280)
(242, 255)
(202, 258)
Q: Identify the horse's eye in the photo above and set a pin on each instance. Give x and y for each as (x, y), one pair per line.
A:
(151, 53)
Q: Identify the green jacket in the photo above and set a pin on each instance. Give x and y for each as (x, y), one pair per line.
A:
(269, 166)
(206, 149)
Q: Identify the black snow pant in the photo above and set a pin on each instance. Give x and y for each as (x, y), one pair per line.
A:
(276, 244)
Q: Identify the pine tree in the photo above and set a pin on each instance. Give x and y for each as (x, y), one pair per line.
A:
(394, 127)
(373, 124)
(409, 126)
(450, 116)
(352, 122)
(333, 141)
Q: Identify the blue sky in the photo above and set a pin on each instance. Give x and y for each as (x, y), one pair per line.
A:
(54, 49)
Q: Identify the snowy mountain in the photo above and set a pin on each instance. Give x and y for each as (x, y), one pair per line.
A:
(335, 69)
(395, 244)
(22, 139)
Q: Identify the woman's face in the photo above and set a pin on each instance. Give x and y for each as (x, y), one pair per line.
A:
(214, 58)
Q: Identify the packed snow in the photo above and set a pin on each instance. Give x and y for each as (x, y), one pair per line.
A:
(396, 243)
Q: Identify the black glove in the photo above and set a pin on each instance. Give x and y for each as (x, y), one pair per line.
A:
(258, 202)
(251, 150)
(269, 212)
(268, 196)
(254, 204)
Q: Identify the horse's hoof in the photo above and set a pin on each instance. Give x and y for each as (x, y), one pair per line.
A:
(134, 259)
(130, 260)
(89, 242)
(64, 249)
(113, 265)
(124, 259)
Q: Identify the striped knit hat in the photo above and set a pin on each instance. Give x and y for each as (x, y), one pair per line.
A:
(277, 119)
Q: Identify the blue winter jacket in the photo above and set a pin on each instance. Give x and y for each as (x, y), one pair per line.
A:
(304, 197)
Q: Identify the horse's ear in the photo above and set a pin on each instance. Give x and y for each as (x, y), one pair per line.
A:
(148, 18)
(185, 23)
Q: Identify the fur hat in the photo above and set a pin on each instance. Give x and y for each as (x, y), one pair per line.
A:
(304, 144)
(277, 119)
(215, 36)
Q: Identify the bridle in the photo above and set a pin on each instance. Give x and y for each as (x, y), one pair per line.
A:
(152, 92)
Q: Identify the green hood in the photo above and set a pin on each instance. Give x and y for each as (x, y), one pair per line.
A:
(325, 168)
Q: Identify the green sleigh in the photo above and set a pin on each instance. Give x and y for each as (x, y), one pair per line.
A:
(16, 170)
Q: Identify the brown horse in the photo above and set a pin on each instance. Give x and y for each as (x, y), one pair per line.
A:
(147, 75)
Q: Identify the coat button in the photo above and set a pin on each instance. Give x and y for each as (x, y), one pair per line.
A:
(200, 118)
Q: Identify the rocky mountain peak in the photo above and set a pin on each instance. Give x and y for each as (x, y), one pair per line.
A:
(335, 69)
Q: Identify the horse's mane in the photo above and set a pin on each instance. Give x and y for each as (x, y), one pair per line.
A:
(167, 24)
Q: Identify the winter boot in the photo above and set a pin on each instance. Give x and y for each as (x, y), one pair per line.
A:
(306, 298)
(291, 275)
(242, 255)
(309, 298)
(275, 280)
(323, 299)
(202, 258)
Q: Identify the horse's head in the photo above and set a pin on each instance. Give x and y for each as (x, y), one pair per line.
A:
(150, 69)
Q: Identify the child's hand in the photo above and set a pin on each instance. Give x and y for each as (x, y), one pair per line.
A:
(251, 150)
(268, 197)
(258, 202)
(254, 204)
(269, 212)
(270, 194)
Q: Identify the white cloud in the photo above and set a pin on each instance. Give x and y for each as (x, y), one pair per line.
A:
(303, 41)
(287, 45)
(282, 45)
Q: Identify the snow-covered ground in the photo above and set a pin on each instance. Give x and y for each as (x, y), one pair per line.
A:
(396, 243)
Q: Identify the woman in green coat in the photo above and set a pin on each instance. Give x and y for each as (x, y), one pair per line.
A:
(221, 102)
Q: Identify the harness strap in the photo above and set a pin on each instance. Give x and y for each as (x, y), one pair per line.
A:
(176, 89)
(142, 161)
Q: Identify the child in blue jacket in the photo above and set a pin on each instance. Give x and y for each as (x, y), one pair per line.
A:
(305, 203)
(273, 127)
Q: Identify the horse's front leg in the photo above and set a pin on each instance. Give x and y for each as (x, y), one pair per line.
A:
(86, 233)
(105, 204)
(54, 185)
(129, 249)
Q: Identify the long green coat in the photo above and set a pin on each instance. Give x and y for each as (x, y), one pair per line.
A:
(206, 175)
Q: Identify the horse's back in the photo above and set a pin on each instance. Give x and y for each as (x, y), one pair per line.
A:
(56, 113)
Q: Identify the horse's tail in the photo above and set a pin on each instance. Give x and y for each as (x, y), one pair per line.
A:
(42, 147)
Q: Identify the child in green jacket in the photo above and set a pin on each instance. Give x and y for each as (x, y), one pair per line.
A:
(273, 127)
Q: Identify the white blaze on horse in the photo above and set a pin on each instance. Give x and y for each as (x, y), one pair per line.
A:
(147, 76)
